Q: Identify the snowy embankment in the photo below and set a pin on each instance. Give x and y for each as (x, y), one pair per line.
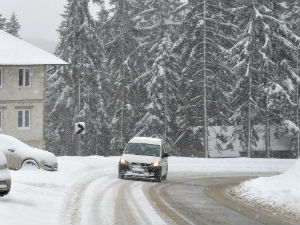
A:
(281, 191)
(39, 197)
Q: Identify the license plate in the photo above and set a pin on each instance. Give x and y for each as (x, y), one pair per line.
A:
(137, 169)
(3, 186)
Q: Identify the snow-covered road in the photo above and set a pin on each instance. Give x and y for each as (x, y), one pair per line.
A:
(86, 190)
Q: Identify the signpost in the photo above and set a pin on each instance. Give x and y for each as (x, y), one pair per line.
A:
(79, 129)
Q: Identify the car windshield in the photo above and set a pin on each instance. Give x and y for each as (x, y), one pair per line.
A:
(143, 149)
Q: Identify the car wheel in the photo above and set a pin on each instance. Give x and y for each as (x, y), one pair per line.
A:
(3, 193)
(121, 176)
(165, 176)
(158, 176)
(30, 163)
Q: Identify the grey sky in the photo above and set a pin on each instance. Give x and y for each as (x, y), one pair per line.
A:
(39, 19)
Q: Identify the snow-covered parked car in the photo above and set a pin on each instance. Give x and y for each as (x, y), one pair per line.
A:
(144, 157)
(5, 180)
(19, 154)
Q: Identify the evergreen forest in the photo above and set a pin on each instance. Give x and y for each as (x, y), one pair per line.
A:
(172, 69)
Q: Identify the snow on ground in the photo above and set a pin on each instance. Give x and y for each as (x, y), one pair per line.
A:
(228, 165)
(38, 196)
(281, 191)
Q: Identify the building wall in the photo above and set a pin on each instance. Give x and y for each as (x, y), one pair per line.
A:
(10, 89)
(14, 98)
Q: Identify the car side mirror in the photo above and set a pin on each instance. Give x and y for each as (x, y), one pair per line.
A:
(120, 150)
(165, 155)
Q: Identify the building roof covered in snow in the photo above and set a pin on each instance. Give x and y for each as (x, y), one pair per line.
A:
(14, 51)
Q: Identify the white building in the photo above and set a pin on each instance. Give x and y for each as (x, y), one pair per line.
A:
(223, 143)
(22, 89)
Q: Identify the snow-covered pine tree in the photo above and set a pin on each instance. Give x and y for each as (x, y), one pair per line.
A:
(284, 105)
(263, 40)
(292, 18)
(159, 25)
(2, 22)
(159, 119)
(119, 36)
(206, 81)
(105, 82)
(13, 26)
(78, 97)
(60, 108)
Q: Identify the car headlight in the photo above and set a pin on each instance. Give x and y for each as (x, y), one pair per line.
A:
(155, 164)
(123, 161)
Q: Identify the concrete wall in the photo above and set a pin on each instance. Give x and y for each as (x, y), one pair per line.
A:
(13, 98)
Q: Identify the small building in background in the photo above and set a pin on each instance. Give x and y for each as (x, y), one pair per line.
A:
(22, 89)
(222, 142)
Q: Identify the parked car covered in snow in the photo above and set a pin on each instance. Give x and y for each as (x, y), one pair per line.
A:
(19, 154)
(144, 157)
(5, 180)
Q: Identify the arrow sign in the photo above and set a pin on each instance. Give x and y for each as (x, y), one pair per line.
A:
(80, 128)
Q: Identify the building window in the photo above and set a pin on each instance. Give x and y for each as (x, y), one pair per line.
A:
(23, 118)
(0, 77)
(24, 77)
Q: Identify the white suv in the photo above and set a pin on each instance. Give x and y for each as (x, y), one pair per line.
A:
(144, 157)
(5, 180)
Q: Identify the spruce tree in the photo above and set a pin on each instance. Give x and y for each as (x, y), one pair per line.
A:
(206, 81)
(162, 92)
(159, 25)
(120, 41)
(2, 22)
(264, 45)
(13, 26)
(78, 98)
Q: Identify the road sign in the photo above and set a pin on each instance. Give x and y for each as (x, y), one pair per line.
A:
(80, 128)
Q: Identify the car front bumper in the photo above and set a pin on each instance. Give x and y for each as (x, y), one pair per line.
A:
(137, 170)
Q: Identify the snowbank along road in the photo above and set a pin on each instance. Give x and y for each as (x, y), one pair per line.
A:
(87, 191)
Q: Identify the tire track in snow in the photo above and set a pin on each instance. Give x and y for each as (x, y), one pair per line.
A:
(142, 207)
(121, 202)
(123, 212)
(102, 210)
(71, 212)
(164, 207)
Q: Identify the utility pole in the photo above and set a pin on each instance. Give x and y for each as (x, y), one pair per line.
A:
(297, 94)
(79, 103)
(249, 112)
(122, 73)
(205, 83)
(165, 77)
(297, 105)
(165, 90)
(267, 131)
